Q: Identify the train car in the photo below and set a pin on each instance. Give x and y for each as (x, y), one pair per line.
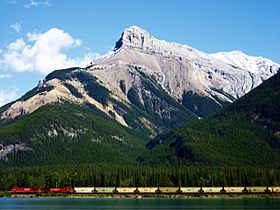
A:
(212, 189)
(275, 189)
(84, 189)
(234, 189)
(105, 189)
(147, 189)
(256, 189)
(25, 190)
(190, 189)
(168, 189)
(59, 190)
(126, 189)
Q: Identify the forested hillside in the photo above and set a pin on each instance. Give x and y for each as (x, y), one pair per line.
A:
(245, 133)
(60, 134)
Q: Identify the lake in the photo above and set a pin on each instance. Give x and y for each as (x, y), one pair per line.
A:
(139, 203)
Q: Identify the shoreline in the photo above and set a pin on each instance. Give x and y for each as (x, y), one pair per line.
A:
(141, 195)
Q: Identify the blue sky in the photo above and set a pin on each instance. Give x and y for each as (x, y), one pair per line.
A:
(37, 36)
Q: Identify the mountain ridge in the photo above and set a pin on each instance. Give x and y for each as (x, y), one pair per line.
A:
(186, 76)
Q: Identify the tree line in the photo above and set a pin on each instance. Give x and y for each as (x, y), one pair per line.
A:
(127, 176)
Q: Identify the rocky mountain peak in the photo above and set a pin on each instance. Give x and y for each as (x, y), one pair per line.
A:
(135, 37)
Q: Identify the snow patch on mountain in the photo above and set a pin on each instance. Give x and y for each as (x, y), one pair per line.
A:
(258, 65)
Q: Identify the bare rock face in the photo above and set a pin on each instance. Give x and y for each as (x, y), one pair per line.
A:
(158, 77)
(12, 148)
(182, 68)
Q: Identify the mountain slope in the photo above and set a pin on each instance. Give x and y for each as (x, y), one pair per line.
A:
(58, 134)
(244, 133)
(152, 112)
(144, 82)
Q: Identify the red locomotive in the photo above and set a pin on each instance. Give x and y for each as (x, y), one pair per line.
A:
(25, 190)
(38, 190)
(60, 190)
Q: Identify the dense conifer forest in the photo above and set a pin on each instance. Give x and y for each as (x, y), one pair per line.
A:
(134, 176)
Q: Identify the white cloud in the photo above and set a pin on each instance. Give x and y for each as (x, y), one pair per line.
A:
(43, 53)
(8, 76)
(16, 27)
(8, 96)
(35, 3)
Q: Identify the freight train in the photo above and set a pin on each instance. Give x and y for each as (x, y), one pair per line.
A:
(147, 190)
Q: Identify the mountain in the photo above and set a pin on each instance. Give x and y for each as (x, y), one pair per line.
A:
(246, 132)
(154, 77)
(141, 88)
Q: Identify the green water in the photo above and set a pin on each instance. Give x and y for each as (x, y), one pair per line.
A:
(139, 203)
